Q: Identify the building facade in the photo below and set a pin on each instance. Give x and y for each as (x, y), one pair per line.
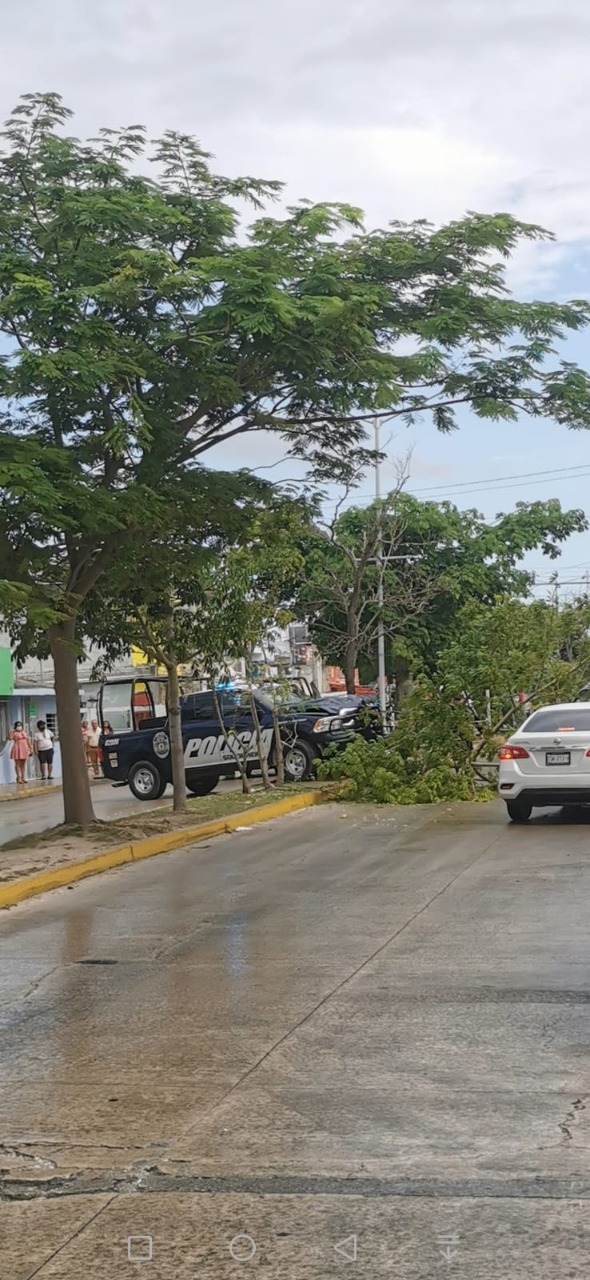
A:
(27, 693)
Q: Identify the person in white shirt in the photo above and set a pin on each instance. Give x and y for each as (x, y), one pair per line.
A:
(43, 748)
(92, 742)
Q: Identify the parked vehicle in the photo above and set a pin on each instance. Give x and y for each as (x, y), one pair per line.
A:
(547, 760)
(137, 752)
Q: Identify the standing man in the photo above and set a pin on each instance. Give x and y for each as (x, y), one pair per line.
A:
(84, 728)
(94, 733)
(43, 748)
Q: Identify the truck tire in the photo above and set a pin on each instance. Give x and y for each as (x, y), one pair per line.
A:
(299, 760)
(202, 784)
(519, 810)
(146, 781)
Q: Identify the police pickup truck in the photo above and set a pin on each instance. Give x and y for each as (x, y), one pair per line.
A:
(135, 744)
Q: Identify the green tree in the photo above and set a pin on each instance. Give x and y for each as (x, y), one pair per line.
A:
(140, 331)
(436, 748)
(517, 647)
(205, 596)
(247, 595)
(435, 558)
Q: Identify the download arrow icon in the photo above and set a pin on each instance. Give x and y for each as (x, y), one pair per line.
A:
(347, 1248)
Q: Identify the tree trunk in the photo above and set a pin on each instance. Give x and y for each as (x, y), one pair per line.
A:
(176, 747)
(350, 660)
(266, 782)
(240, 757)
(403, 683)
(76, 782)
(278, 745)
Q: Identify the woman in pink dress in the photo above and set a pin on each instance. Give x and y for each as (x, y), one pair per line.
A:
(21, 749)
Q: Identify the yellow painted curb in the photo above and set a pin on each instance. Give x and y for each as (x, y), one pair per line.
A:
(31, 886)
(26, 792)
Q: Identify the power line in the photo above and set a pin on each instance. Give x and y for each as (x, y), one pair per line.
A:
(524, 475)
(567, 582)
(483, 486)
(563, 568)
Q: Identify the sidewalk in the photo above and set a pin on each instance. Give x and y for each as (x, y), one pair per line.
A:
(36, 787)
(39, 807)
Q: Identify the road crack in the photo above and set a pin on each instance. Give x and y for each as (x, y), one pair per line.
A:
(16, 1153)
(572, 1118)
(44, 978)
(150, 1179)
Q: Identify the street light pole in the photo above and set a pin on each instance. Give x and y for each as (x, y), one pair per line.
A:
(382, 682)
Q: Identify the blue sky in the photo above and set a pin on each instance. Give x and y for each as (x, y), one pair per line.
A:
(421, 110)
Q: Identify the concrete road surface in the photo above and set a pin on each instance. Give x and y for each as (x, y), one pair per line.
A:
(355, 1042)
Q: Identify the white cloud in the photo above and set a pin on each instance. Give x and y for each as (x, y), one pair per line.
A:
(409, 110)
(391, 171)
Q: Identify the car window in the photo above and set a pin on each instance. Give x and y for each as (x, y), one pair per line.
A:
(198, 706)
(555, 721)
(202, 706)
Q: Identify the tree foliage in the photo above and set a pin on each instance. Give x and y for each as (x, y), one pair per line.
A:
(517, 647)
(140, 331)
(500, 651)
(425, 759)
(435, 557)
(205, 596)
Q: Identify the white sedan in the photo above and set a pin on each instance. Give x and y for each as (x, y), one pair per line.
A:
(547, 760)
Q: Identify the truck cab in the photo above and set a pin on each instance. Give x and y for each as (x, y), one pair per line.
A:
(135, 744)
(219, 734)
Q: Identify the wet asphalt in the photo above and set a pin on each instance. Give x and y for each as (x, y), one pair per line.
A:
(353, 1027)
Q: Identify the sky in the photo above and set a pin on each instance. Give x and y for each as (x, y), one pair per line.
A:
(422, 110)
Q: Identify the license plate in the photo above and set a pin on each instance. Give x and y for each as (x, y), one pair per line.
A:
(558, 757)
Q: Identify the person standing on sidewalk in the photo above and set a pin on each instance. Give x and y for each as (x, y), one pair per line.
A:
(21, 750)
(43, 747)
(94, 733)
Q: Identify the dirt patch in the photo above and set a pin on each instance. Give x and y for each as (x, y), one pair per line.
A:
(63, 844)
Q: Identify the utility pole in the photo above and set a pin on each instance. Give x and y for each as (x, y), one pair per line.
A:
(382, 682)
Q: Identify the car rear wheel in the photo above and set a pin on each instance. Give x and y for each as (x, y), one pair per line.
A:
(202, 785)
(146, 781)
(299, 760)
(519, 810)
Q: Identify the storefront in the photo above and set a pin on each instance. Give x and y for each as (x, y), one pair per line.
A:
(28, 704)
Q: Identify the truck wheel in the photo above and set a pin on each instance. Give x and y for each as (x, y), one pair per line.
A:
(298, 762)
(202, 786)
(519, 810)
(146, 781)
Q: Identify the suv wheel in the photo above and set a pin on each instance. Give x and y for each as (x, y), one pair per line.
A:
(146, 781)
(298, 762)
(202, 786)
(519, 810)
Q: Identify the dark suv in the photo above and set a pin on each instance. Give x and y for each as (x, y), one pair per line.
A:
(139, 753)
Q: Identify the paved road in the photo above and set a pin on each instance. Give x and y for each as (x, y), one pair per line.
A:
(370, 1024)
(25, 817)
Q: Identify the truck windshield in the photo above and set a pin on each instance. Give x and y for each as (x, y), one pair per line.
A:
(264, 699)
